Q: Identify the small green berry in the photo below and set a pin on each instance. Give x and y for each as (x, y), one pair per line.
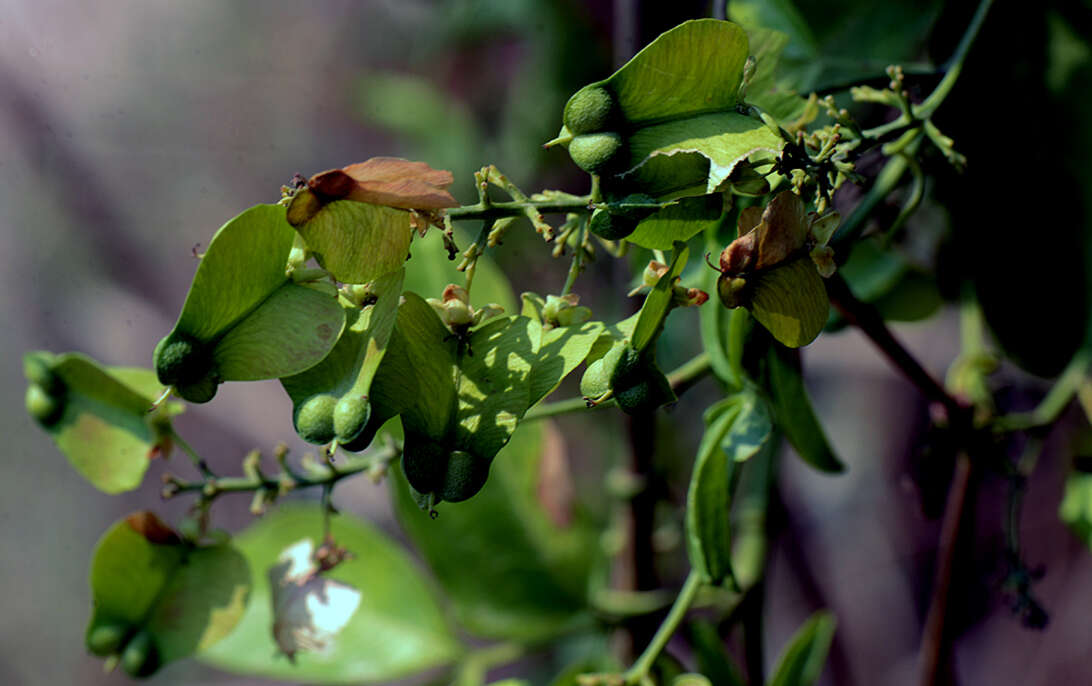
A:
(43, 407)
(610, 226)
(314, 418)
(107, 637)
(351, 416)
(597, 152)
(590, 109)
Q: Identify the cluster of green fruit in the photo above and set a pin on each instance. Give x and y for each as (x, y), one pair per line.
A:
(134, 647)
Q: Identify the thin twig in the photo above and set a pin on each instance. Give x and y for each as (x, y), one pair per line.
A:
(933, 640)
(866, 318)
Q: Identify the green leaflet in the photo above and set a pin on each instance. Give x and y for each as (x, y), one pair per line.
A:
(98, 416)
(678, 222)
(736, 429)
(695, 67)
(398, 629)
(793, 412)
(662, 160)
(790, 301)
(804, 657)
(658, 301)
(243, 319)
(713, 658)
(346, 374)
(509, 570)
(764, 91)
(243, 265)
(186, 598)
(294, 329)
(357, 241)
(558, 351)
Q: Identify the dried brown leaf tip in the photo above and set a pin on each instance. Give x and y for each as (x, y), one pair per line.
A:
(388, 181)
(777, 233)
(152, 528)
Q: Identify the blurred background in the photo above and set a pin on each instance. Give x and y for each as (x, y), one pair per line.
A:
(131, 130)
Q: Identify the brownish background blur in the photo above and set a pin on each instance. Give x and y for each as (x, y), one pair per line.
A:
(130, 130)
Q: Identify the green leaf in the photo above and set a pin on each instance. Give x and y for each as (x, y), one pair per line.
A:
(243, 265)
(347, 372)
(806, 653)
(1076, 506)
(510, 571)
(793, 412)
(736, 428)
(424, 360)
(101, 424)
(357, 241)
(662, 157)
(790, 301)
(695, 67)
(658, 301)
(398, 629)
(678, 222)
(292, 330)
(186, 598)
(783, 104)
(492, 385)
(713, 659)
(558, 351)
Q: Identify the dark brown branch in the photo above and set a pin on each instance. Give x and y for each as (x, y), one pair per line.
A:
(934, 640)
(866, 318)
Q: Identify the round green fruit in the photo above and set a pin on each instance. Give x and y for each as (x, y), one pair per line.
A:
(596, 379)
(200, 391)
(466, 474)
(424, 462)
(597, 152)
(36, 367)
(591, 109)
(314, 418)
(140, 657)
(44, 407)
(181, 360)
(612, 227)
(351, 416)
(107, 637)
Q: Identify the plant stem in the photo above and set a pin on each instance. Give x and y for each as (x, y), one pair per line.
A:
(197, 460)
(574, 271)
(518, 208)
(643, 664)
(955, 65)
(886, 181)
(1056, 400)
(868, 320)
(933, 643)
(214, 485)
